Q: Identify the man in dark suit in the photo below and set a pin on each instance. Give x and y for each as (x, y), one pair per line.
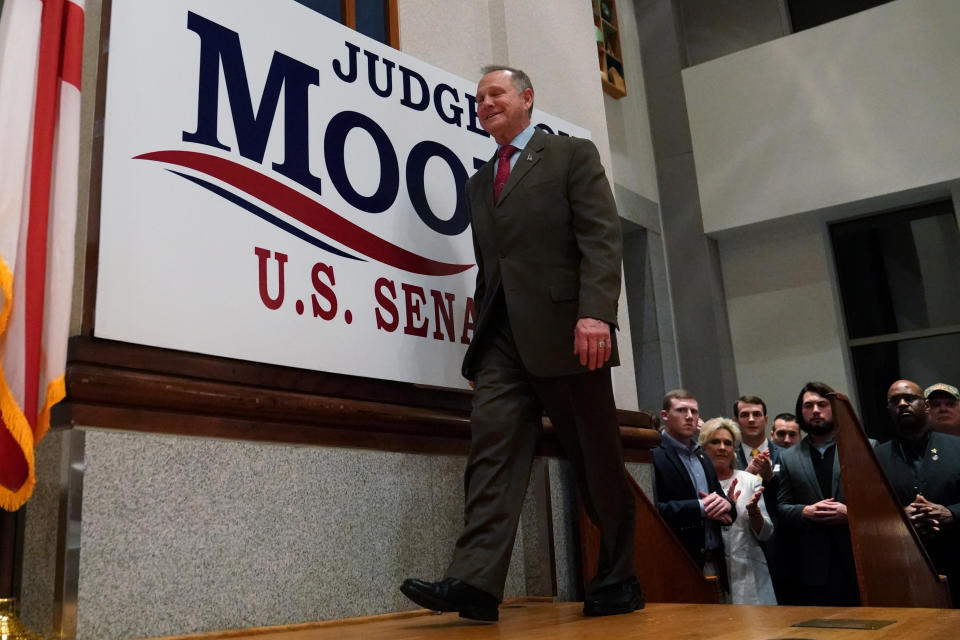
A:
(548, 249)
(811, 507)
(756, 454)
(689, 496)
(922, 466)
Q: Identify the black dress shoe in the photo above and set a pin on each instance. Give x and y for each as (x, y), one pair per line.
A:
(622, 597)
(452, 595)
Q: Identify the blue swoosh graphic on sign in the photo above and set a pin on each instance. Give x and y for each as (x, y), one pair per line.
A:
(315, 215)
(264, 215)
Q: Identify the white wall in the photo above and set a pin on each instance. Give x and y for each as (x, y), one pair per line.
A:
(628, 122)
(451, 40)
(854, 109)
(783, 318)
(552, 40)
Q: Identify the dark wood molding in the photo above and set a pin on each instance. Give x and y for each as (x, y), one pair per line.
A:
(138, 388)
(348, 13)
(393, 24)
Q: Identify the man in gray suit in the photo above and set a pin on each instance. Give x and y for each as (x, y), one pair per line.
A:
(548, 249)
(812, 510)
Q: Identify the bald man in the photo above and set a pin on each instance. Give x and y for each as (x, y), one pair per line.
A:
(922, 465)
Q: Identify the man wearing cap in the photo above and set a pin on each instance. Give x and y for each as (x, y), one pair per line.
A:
(922, 465)
(944, 411)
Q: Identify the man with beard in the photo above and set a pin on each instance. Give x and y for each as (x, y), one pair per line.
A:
(944, 408)
(812, 510)
(922, 468)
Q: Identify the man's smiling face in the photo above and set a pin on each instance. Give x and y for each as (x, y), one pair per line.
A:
(502, 107)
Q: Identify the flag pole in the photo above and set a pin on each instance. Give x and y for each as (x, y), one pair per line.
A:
(11, 548)
(9, 576)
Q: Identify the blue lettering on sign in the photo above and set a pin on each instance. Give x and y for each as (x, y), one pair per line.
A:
(455, 110)
(221, 46)
(416, 164)
(333, 147)
(351, 75)
(407, 99)
(220, 52)
(372, 74)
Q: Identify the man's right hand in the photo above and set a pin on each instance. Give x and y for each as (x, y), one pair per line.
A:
(827, 511)
(760, 466)
(591, 341)
(928, 517)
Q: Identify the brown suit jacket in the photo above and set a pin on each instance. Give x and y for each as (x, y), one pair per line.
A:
(552, 243)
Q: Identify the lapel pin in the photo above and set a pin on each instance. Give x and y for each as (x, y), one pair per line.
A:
(529, 157)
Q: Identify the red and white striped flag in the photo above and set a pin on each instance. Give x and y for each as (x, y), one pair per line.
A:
(41, 48)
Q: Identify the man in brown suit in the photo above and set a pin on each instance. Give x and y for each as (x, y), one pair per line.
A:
(548, 249)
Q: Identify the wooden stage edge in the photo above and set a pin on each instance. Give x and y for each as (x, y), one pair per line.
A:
(543, 619)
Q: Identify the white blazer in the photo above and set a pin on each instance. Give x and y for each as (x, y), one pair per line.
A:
(746, 565)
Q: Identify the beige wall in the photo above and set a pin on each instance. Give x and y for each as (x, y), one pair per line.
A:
(628, 123)
(857, 109)
(552, 40)
(783, 314)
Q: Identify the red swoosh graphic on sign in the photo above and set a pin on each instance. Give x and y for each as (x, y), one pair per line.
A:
(306, 210)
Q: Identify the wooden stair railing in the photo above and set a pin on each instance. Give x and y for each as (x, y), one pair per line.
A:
(666, 571)
(893, 569)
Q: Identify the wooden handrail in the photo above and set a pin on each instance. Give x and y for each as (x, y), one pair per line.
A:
(893, 569)
(666, 571)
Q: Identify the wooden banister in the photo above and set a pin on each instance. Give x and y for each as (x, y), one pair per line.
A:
(893, 570)
(666, 571)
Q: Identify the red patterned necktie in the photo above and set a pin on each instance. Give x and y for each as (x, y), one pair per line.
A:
(503, 169)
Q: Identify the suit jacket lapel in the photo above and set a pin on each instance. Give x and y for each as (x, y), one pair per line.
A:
(681, 469)
(809, 475)
(529, 157)
(484, 180)
(835, 483)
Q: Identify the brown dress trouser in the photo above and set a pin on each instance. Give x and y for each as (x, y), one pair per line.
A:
(506, 423)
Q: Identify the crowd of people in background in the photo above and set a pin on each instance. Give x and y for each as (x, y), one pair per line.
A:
(766, 513)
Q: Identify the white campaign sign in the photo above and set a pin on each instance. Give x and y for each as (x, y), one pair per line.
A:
(281, 189)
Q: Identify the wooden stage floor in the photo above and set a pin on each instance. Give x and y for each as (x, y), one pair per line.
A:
(563, 620)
